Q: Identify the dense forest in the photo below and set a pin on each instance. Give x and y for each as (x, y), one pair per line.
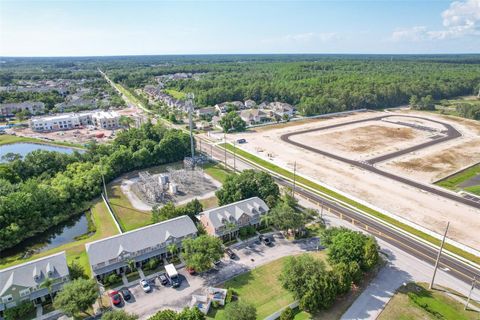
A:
(315, 84)
(46, 188)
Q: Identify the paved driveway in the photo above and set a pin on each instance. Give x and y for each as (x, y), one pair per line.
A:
(250, 255)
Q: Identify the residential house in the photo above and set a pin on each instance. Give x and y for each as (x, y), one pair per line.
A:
(226, 221)
(223, 107)
(111, 255)
(205, 111)
(253, 116)
(281, 109)
(9, 109)
(23, 282)
(249, 104)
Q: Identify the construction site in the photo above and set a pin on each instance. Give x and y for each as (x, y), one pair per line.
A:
(383, 159)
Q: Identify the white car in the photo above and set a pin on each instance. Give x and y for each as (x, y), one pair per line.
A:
(145, 286)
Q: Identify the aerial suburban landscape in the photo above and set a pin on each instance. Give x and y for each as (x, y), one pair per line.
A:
(158, 163)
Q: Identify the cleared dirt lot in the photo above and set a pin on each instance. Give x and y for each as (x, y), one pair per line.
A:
(423, 208)
(366, 140)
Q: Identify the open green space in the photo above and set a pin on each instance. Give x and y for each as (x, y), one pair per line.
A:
(176, 94)
(128, 217)
(262, 288)
(75, 250)
(9, 139)
(217, 171)
(318, 188)
(414, 301)
(454, 181)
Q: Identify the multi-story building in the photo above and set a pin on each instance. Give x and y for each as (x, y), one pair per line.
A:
(111, 255)
(225, 221)
(24, 282)
(67, 121)
(9, 109)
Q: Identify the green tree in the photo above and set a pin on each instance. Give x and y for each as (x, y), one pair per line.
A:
(131, 265)
(118, 315)
(164, 315)
(201, 252)
(247, 184)
(287, 314)
(48, 283)
(190, 314)
(172, 249)
(347, 246)
(76, 297)
(232, 122)
(240, 310)
(370, 253)
(76, 271)
(126, 121)
(21, 311)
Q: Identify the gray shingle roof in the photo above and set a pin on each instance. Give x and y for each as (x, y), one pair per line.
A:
(133, 241)
(33, 273)
(233, 211)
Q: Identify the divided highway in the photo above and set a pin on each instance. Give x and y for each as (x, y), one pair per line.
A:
(450, 133)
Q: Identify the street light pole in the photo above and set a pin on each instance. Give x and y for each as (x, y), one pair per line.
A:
(471, 289)
(234, 156)
(438, 256)
(294, 177)
(225, 147)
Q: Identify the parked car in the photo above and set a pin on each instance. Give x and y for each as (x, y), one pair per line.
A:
(115, 297)
(265, 240)
(145, 285)
(176, 281)
(230, 253)
(163, 279)
(241, 141)
(126, 294)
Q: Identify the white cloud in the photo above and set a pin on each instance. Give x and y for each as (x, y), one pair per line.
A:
(461, 19)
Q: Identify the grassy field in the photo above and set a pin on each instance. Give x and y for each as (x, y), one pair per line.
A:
(262, 288)
(129, 217)
(8, 139)
(454, 181)
(217, 171)
(272, 167)
(176, 94)
(105, 227)
(413, 301)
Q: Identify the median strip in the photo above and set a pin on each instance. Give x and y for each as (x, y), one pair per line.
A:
(336, 196)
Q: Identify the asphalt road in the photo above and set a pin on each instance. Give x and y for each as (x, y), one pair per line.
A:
(449, 134)
(424, 252)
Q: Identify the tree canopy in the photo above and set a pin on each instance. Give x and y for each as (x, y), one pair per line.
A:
(240, 310)
(232, 122)
(201, 252)
(247, 184)
(118, 315)
(76, 297)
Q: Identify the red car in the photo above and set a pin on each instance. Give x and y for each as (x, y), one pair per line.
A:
(116, 298)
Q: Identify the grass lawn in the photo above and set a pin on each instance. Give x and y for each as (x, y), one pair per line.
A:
(217, 171)
(129, 217)
(414, 301)
(261, 288)
(209, 203)
(8, 139)
(455, 180)
(75, 250)
(272, 167)
(176, 94)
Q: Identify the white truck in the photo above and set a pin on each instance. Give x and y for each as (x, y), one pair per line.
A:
(173, 275)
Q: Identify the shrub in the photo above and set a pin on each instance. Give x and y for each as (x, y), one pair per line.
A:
(229, 295)
(151, 264)
(111, 279)
(215, 304)
(287, 314)
(21, 311)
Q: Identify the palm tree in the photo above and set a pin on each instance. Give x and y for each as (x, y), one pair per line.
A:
(48, 283)
(230, 226)
(172, 249)
(131, 264)
(266, 219)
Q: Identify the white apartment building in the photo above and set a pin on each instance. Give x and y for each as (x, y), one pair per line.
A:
(67, 121)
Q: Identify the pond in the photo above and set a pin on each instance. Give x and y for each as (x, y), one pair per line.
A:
(52, 238)
(25, 147)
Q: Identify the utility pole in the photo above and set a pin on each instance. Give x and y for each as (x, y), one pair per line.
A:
(104, 187)
(471, 289)
(225, 147)
(190, 97)
(211, 151)
(234, 156)
(294, 177)
(438, 256)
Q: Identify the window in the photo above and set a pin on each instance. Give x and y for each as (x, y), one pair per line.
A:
(8, 298)
(24, 292)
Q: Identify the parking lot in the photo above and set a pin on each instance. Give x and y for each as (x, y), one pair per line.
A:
(249, 255)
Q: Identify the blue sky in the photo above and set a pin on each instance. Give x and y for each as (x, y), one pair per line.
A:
(78, 28)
